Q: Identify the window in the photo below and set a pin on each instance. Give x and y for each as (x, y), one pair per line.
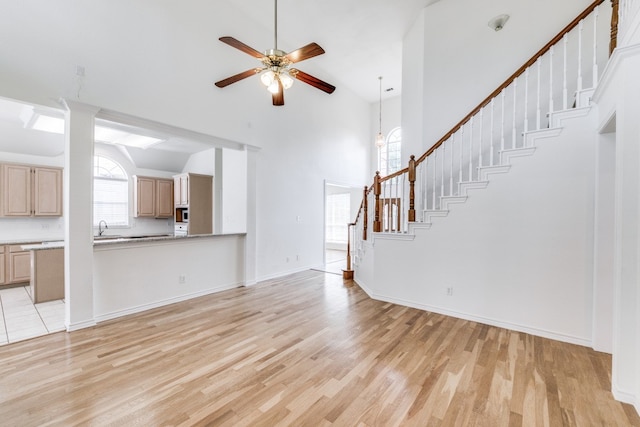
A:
(389, 155)
(337, 214)
(110, 193)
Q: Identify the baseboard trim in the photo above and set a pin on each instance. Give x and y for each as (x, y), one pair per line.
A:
(484, 320)
(144, 307)
(80, 325)
(626, 397)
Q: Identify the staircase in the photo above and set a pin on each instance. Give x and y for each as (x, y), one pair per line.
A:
(492, 224)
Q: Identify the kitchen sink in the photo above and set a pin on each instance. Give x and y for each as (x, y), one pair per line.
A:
(120, 237)
(108, 237)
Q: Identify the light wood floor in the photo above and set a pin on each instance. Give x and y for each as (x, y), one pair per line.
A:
(305, 350)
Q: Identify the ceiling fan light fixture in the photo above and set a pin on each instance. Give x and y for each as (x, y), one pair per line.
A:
(267, 78)
(286, 80)
(274, 87)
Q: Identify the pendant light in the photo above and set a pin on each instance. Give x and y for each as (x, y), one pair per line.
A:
(380, 139)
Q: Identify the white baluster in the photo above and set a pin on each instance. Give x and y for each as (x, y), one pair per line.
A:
(480, 144)
(551, 52)
(471, 149)
(565, 93)
(595, 46)
(539, 61)
(513, 121)
(444, 154)
(526, 107)
(435, 170)
(453, 141)
(461, 149)
(491, 135)
(502, 95)
(423, 183)
(580, 28)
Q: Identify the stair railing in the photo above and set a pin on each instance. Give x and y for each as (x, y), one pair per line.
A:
(496, 129)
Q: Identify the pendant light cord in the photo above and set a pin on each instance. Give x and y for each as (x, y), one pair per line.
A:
(380, 108)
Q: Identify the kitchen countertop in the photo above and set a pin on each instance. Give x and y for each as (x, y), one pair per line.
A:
(111, 240)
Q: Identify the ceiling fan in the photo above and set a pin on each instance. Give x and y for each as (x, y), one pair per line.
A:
(277, 74)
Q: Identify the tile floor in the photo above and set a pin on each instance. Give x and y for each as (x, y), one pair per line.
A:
(335, 262)
(21, 319)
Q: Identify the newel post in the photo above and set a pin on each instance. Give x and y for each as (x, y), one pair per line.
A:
(412, 182)
(377, 226)
(365, 218)
(614, 26)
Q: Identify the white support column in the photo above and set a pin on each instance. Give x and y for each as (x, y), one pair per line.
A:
(250, 240)
(78, 215)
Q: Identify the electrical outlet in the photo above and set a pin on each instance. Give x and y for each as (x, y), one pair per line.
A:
(182, 279)
(287, 259)
(450, 291)
(297, 257)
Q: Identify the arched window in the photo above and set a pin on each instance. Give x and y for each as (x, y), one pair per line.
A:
(110, 193)
(390, 153)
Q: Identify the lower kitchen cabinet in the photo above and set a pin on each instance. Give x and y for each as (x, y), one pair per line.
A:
(19, 264)
(47, 275)
(15, 264)
(2, 264)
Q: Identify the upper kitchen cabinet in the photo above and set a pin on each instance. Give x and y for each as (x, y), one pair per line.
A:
(164, 198)
(31, 190)
(153, 197)
(181, 189)
(194, 196)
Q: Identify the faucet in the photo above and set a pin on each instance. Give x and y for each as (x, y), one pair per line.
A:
(100, 230)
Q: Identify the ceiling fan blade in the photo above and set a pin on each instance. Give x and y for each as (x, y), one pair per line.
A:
(305, 52)
(313, 81)
(278, 98)
(238, 77)
(241, 46)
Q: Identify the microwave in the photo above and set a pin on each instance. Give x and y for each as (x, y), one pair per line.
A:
(185, 215)
(182, 215)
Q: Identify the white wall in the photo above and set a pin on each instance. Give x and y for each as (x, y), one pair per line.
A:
(391, 119)
(619, 109)
(234, 191)
(124, 284)
(158, 62)
(447, 72)
(518, 254)
(202, 162)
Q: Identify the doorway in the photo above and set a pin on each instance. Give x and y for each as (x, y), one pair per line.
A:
(341, 203)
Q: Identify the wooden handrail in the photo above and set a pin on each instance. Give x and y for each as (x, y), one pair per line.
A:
(378, 180)
(507, 82)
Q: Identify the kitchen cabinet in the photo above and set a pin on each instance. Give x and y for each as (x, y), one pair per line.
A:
(2, 264)
(47, 275)
(181, 190)
(31, 190)
(19, 264)
(194, 194)
(153, 197)
(164, 198)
